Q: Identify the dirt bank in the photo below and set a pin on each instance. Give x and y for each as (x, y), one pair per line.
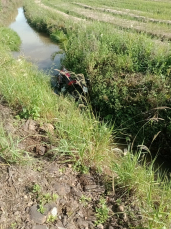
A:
(46, 184)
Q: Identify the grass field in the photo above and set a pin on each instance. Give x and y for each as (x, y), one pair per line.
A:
(130, 71)
(150, 17)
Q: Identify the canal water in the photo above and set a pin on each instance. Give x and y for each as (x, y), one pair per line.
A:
(36, 47)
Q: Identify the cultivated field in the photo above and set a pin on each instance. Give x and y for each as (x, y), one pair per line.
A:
(151, 17)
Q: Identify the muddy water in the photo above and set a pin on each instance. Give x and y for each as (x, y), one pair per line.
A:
(36, 47)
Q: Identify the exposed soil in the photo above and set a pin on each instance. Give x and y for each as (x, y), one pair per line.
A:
(71, 197)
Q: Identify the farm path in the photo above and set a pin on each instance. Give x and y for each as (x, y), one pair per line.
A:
(76, 19)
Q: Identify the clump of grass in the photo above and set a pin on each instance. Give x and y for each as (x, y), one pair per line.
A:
(9, 149)
(102, 212)
(151, 190)
(9, 38)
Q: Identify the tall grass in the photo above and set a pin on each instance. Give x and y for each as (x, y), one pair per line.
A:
(129, 72)
(126, 20)
(29, 92)
(79, 133)
(148, 185)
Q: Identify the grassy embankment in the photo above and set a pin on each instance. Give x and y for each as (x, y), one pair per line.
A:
(28, 91)
(129, 71)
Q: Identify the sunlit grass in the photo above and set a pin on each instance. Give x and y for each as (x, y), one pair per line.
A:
(78, 133)
(148, 185)
(154, 9)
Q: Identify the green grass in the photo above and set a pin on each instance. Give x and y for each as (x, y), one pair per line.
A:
(9, 150)
(129, 72)
(29, 92)
(79, 134)
(147, 185)
(154, 9)
(9, 39)
(118, 17)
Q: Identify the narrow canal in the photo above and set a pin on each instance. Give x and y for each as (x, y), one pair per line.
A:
(36, 47)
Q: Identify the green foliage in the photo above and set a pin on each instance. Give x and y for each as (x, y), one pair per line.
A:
(129, 72)
(41, 209)
(43, 199)
(124, 83)
(36, 188)
(60, 37)
(85, 200)
(51, 219)
(33, 113)
(9, 149)
(9, 38)
(102, 212)
(81, 168)
(147, 184)
(14, 225)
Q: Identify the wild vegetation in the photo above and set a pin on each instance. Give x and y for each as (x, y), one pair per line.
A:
(129, 72)
(130, 76)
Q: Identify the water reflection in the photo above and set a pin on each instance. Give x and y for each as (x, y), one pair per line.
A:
(36, 46)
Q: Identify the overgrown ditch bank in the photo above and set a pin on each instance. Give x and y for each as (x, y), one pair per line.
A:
(129, 72)
(63, 145)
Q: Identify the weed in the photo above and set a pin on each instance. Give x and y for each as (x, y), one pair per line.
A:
(42, 198)
(80, 167)
(33, 113)
(13, 225)
(62, 170)
(41, 209)
(129, 72)
(9, 150)
(130, 75)
(47, 197)
(36, 188)
(147, 184)
(51, 219)
(54, 197)
(9, 38)
(102, 212)
(84, 200)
